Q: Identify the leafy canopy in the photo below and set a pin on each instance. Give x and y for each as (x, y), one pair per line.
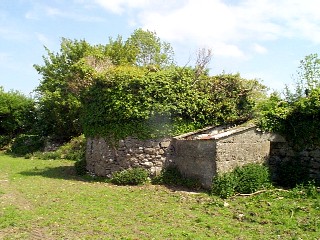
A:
(297, 115)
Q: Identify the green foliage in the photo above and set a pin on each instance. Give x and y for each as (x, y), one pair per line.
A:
(133, 176)
(251, 178)
(224, 185)
(69, 72)
(64, 76)
(24, 144)
(131, 101)
(17, 113)
(296, 117)
(150, 50)
(4, 141)
(74, 150)
(305, 190)
(172, 176)
(308, 78)
(246, 179)
(297, 121)
(272, 113)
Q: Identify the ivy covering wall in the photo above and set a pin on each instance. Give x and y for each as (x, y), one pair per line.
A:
(135, 101)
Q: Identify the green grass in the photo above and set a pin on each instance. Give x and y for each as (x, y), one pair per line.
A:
(44, 199)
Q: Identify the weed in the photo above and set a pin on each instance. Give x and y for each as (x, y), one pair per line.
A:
(133, 176)
(251, 178)
(224, 185)
(245, 179)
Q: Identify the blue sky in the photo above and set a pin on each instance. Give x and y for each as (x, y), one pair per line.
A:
(263, 39)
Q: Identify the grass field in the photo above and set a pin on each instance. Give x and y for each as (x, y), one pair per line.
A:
(44, 199)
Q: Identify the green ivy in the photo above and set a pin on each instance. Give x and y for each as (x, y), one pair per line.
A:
(298, 121)
(133, 101)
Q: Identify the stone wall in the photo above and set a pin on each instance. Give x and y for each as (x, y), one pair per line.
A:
(281, 152)
(201, 154)
(103, 158)
(196, 159)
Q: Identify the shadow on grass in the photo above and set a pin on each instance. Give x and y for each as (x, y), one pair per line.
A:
(61, 172)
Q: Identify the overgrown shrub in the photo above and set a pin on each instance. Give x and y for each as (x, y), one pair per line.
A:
(132, 176)
(251, 178)
(74, 149)
(224, 185)
(172, 176)
(246, 179)
(131, 101)
(24, 144)
(4, 141)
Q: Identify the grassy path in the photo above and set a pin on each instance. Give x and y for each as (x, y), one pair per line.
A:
(43, 199)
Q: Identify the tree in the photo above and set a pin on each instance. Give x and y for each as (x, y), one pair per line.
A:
(120, 52)
(308, 78)
(150, 49)
(297, 115)
(203, 59)
(64, 75)
(17, 113)
(73, 69)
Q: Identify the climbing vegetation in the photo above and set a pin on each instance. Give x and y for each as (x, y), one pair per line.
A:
(134, 101)
(296, 115)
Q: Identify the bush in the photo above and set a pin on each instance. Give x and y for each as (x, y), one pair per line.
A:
(24, 144)
(245, 179)
(251, 178)
(133, 176)
(81, 167)
(4, 141)
(172, 176)
(224, 185)
(75, 149)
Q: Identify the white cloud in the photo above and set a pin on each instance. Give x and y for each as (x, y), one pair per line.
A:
(40, 11)
(224, 23)
(259, 49)
(119, 6)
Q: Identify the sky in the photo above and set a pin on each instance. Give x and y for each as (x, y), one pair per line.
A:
(260, 39)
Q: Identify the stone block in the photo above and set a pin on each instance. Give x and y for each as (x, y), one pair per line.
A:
(149, 150)
(165, 144)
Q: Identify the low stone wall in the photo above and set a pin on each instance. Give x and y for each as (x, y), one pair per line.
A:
(103, 158)
(281, 152)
